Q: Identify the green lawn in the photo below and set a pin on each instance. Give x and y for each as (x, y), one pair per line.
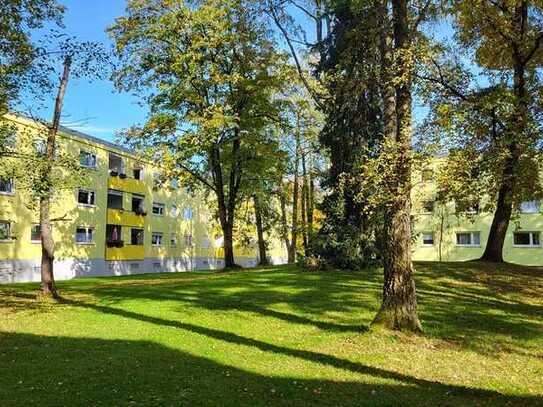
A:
(274, 337)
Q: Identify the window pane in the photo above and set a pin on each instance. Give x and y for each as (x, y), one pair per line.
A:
(530, 207)
(35, 233)
(463, 238)
(5, 230)
(428, 238)
(476, 238)
(6, 185)
(535, 238)
(522, 238)
(136, 237)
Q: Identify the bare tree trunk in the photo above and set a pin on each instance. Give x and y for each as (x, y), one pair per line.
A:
(284, 221)
(263, 257)
(47, 243)
(399, 307)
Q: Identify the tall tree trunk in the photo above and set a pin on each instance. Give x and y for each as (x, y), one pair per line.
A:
(263, 257)
(47, 243)
(304, 204)
(284, 221)
(295, 188)
(399, 307)
(311, 196)
(504, 205)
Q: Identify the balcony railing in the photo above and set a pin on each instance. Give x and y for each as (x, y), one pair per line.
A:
(127, 184)
(124, 218)
(127, 252)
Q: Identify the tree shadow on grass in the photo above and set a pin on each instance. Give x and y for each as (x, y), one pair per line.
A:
(54, 371)
(406, 390)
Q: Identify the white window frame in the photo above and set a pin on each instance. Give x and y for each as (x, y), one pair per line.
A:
(8, 223)
(471, 238)
(11, 192)
(531, 245)
(89, 191)
(89, 231)
(157, 234)
(88, 153)
(428, 244)
(160, 206)
(530, 212)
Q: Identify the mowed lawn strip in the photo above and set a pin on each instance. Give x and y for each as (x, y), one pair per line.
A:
(274, 336)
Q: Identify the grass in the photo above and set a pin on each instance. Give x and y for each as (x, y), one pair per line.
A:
(274, 337)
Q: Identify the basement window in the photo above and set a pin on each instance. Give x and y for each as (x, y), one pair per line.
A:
(526, 239)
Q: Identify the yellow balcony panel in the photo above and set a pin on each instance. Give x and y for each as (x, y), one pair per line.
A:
(128, 252)
(124, 218)
(127, 185)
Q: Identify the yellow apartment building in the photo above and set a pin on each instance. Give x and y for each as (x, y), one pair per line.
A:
(122, 220)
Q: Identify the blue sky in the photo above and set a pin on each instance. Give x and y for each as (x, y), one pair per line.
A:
(95, 108)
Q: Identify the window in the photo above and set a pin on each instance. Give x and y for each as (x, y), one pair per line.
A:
(526, 239)
(35, 234)
(5, 230)
(427, 238)
(138, 204)
(136, 237)
(84, 235)
(137, 173)
(530, 207)
(158, 209)
(188, 239)
(470, 208)
(173, 211)
(428, 206)
(187, 213)
(113, 233)
(116, 165)
(156, 239)
(173, 240)
(6, 186)
(40, 147)
(468, 239)
(114, 199)
(85, 197)
(427, 175)
(87, 160)
(157, 182)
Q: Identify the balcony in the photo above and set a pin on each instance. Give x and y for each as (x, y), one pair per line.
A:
(127, 252)
(124, 217)
(132, 185)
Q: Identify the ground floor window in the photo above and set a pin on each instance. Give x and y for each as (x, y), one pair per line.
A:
(136, 237)
(84, 235)
(427, 238)
(468, 238)
(156, 239)
(5, 230)
(526, 239)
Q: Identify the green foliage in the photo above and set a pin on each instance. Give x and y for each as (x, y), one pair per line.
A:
(17, 52)
(208, 71)
(351, 134)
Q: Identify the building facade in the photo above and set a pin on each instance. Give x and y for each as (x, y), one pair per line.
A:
(447, 232)
(122, 220)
